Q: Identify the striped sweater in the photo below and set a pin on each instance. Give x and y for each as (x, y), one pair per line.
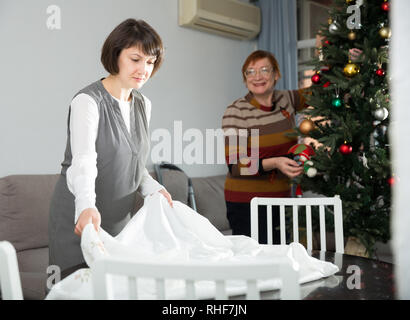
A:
(254, 132)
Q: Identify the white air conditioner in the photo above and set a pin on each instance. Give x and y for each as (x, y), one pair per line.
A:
(230, 18)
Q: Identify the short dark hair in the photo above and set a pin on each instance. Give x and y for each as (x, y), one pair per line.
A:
(130, 33)
(257, 55)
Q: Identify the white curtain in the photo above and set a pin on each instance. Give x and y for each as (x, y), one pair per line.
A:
(400, 128)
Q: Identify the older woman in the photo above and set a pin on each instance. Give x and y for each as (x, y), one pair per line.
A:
(107, 145)
(271, 114)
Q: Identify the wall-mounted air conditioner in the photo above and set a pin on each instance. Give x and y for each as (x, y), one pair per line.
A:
(230, 18)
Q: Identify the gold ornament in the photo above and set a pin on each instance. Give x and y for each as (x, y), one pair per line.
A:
(329, 21)
(351, 69)
(306, 126)
(351, 35)
(349, 1)
(385, 32)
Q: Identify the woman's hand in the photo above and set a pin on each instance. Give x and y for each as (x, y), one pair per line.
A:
(354, 54)
(167, 196)
(287, 166)
(89, 215)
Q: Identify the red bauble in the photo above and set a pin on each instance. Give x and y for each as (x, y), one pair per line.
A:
(380, 72)
(345, 149)
(299, 192)
(327, 42)
(390, 181)
(316, 78)
(326, 84)
(385, 6)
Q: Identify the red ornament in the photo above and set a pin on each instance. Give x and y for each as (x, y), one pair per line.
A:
(327, 42)
(345, 149)
(390, 181)
(299, 192)
(316, 78)
(326, 84)
(380, 72)
(385, 6)
(301, 152)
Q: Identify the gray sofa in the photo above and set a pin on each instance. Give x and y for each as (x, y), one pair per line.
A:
(24, 207)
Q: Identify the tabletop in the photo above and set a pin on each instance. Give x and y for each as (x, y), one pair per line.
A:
(358, 278)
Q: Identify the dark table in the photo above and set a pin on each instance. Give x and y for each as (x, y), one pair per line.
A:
(376, 279)
(358, 279)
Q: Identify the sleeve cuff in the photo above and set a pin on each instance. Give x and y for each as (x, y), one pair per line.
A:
(262, 171)
(149, 185)
(81, 205)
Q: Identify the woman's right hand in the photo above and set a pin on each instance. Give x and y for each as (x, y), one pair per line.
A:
(287, 166)
(90, 215)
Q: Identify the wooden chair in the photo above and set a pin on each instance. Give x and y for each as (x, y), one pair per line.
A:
(9, 273)
(191, 272)
(295, 203)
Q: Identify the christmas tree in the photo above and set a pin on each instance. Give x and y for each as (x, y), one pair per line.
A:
(349, 118)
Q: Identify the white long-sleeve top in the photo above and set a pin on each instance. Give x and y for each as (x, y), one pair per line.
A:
(83, 171)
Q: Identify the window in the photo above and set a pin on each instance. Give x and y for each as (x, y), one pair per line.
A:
(311, 14)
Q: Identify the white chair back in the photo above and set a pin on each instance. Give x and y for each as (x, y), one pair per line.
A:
(295, 203)
(9, 273)
(192, 272)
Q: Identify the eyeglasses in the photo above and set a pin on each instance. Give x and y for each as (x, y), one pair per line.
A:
(264, 72)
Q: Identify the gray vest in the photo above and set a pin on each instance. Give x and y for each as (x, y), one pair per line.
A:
(121, 159)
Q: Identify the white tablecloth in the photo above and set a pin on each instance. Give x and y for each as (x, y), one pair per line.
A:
(158, 232)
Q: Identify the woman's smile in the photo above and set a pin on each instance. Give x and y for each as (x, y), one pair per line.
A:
(259, 84)
(138, 79)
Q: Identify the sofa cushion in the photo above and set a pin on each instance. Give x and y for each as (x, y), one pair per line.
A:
(176, 183)
(33, 265)
(210, 200)
(33, 285)
(33, 260)
(24, 209)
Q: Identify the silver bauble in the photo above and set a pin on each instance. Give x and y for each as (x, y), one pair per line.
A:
(381, 114)
(334, 27)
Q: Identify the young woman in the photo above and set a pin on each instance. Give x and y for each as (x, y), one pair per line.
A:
(107, 145)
